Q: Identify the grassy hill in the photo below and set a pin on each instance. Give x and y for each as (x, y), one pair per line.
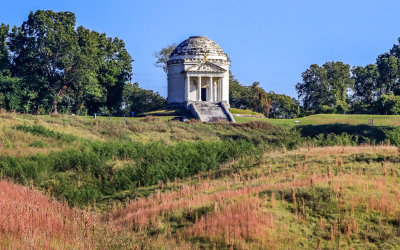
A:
(151, 183)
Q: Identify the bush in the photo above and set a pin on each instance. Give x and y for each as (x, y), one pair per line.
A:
(332, 139)
(393, 136)
(86, 174)
(325, 109)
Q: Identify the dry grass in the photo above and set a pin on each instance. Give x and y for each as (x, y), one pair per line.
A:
(237, 224)
(236, 217)
(338, 150)
(29, 219)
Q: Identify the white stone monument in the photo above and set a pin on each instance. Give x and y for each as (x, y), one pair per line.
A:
(198, 79)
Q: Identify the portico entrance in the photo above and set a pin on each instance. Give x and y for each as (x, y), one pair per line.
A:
(204, 94)
(204, 88)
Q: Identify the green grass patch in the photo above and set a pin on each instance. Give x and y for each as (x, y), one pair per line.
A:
(320, 119)
(244, 112)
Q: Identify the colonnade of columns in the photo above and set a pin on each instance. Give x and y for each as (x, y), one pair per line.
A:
(214, 88)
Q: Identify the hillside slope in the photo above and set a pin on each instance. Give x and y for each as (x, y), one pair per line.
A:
(149, 183)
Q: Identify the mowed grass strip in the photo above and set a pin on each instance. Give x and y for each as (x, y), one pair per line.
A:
(378, 120)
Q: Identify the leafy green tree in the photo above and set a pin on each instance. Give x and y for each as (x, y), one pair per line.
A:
(14, 95)
(389, 104)
(115, 72)
(4, 53)
(239, 95)
(365, 83)
(313, 91)
(140, 100)
(388, 67)
(87, 94)
(339, 80)
(162, 56)
(66, 68)
(101, 69)
(257, 99)
(365, 88)
(4, 61)
(44, 49)
(283, 106)
(325, 88)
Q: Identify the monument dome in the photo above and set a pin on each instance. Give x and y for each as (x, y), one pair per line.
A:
(198, 79)
(198, 45)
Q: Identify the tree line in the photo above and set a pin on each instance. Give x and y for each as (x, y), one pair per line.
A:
(254, 97)
(335, 87)
(48, 65)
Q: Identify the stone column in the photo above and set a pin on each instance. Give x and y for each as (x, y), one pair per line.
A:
(199, 88)
(211, 89)
(222, 89)
(188, 87)
(218, 90)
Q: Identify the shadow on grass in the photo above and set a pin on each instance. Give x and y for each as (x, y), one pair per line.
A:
(374, 133)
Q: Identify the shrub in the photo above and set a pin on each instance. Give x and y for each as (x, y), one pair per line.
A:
(86, 174)
(393, 135)
(332, 139)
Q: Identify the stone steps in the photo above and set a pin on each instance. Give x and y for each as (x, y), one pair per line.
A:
(211, 112)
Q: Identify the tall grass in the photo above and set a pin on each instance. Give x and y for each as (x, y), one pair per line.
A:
(236, 225)
(30, 220)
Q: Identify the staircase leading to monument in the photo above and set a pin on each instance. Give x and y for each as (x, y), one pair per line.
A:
(211, 112)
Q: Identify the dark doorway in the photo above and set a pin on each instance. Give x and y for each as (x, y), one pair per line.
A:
(204, 94)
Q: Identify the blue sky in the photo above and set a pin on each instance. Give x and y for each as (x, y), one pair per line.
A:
(271, 42)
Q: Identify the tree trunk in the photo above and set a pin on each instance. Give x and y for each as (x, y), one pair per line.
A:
(55, 105)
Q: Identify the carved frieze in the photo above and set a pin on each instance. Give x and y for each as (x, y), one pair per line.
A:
(198, 60)
(206, 67)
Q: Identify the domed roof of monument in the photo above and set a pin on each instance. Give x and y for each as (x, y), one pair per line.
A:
(198, 45)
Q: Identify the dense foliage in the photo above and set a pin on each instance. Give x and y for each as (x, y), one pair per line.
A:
(48, 65)
(254, 97)
(324, 88)
(87, 173)
(140, 100)
(334, 87)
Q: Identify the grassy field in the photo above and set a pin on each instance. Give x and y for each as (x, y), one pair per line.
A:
(154, 184)
(378, 120)
(245, 112)
(319, 119)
